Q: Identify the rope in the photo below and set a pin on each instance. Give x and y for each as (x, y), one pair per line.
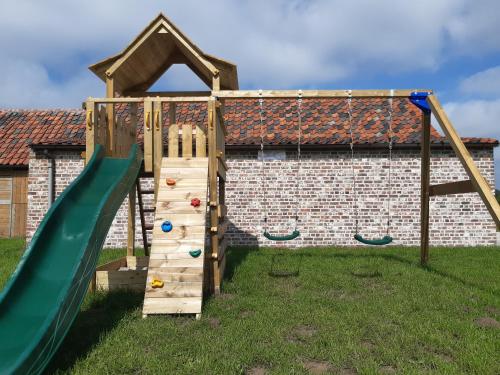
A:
(389, 180)
(353, 173)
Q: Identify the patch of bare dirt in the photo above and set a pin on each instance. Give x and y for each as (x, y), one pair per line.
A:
(214, 322)
(301, 333)
(492, 310)
(347, 371)
(487, 322)
(246, 314)
(317, 367)
(387, 370)
(368, 345)
(258, 370)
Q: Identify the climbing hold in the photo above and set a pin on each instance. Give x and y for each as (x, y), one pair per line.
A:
(170, 182)
(166, 226)
(195, 202)
(195, 253)
(157, 283)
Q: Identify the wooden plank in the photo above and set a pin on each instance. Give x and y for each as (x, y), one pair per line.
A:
(221, 169)
(184, 163)
(184, 305)
(183, 182)
(177, 99)
(173, 141)
(134, 262)
(222, 211)
(184, 173)
(148, 136)
(180, 253)
(180, 195)
(187, 141)
(242, 94)
(167, 275)
(173, 289)
(188, 263)
(5, 224)
(113, 265)
(167, 208)
(179, 232)
(479, 182)
(192, 219)
(425, 182)
(458, 187)
(201, 141)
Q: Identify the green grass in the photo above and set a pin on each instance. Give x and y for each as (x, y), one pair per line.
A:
(365, 311)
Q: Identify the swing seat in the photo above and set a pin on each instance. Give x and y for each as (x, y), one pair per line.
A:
(378, 242)
(288, 237)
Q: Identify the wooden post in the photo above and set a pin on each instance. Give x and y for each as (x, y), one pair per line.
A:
(157, 142)
(148, 135)
(131, 222)
(92, 122)
(425, 183)
(213, 198)
(110, 111)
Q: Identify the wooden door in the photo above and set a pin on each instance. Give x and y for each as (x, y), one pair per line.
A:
(5, 206)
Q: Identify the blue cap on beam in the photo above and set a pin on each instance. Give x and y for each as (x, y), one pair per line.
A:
(419, 99)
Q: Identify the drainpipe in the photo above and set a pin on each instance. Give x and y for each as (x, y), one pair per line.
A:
(50, 180)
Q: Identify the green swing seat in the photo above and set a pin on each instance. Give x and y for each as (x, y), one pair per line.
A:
(378, 242)
(288, 237)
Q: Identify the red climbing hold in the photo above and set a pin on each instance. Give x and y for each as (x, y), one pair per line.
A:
(170, 182)
(195, 202)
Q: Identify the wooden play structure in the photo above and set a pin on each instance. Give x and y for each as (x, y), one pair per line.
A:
(186, 258)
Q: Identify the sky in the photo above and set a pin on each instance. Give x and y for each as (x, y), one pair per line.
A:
(450, 46)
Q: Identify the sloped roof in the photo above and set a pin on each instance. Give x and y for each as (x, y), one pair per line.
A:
(160, 45)
(324, 123)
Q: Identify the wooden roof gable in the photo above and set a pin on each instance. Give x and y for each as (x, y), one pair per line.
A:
(160, 45)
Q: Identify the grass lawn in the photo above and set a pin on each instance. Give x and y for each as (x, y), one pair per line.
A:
(350, 311)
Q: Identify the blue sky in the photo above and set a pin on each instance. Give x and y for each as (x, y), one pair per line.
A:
(451, 46)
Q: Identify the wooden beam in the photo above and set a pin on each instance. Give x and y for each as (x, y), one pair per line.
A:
(131, 222)
(110, 112)
(425, 183)
(458, 187)
(173, 132)
(479, 182)
(176, 99)
(316, 93)
(91, 136)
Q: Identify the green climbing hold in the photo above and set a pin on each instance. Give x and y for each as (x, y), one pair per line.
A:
(195, 253)
(288, 237)
(378, 242)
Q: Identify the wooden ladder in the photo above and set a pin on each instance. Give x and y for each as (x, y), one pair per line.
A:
(144, 226)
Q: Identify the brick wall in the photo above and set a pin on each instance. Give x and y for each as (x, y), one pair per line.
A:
(325, 197)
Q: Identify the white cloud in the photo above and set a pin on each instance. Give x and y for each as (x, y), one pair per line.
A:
(486, 82)
(276, 44)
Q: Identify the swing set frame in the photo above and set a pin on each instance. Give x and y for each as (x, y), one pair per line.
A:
(429, 104)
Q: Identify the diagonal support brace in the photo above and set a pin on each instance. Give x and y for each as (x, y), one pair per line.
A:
(420, 100)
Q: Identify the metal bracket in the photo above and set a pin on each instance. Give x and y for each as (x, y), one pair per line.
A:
(420, 100)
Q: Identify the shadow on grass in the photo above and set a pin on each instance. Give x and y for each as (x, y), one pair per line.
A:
(100, 317)
(397, 258)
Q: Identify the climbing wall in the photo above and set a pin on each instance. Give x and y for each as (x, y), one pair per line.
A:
(175, 274)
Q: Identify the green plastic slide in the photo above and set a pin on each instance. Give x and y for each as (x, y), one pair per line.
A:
(43, 296)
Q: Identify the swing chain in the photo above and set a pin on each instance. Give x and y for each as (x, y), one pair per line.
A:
(353, 173)
(264, 200)
(390, 141)
(299, 158)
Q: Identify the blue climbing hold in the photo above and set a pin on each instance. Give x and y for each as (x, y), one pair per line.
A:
(166, 226)
(195, 253)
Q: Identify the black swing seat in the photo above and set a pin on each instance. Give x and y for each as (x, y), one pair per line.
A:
(378, 242)
(287, 237)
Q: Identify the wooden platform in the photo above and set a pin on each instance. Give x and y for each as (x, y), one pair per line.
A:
(170, 260)
(124, 273)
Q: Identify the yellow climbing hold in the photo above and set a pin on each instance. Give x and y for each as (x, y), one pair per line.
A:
(157, 283)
